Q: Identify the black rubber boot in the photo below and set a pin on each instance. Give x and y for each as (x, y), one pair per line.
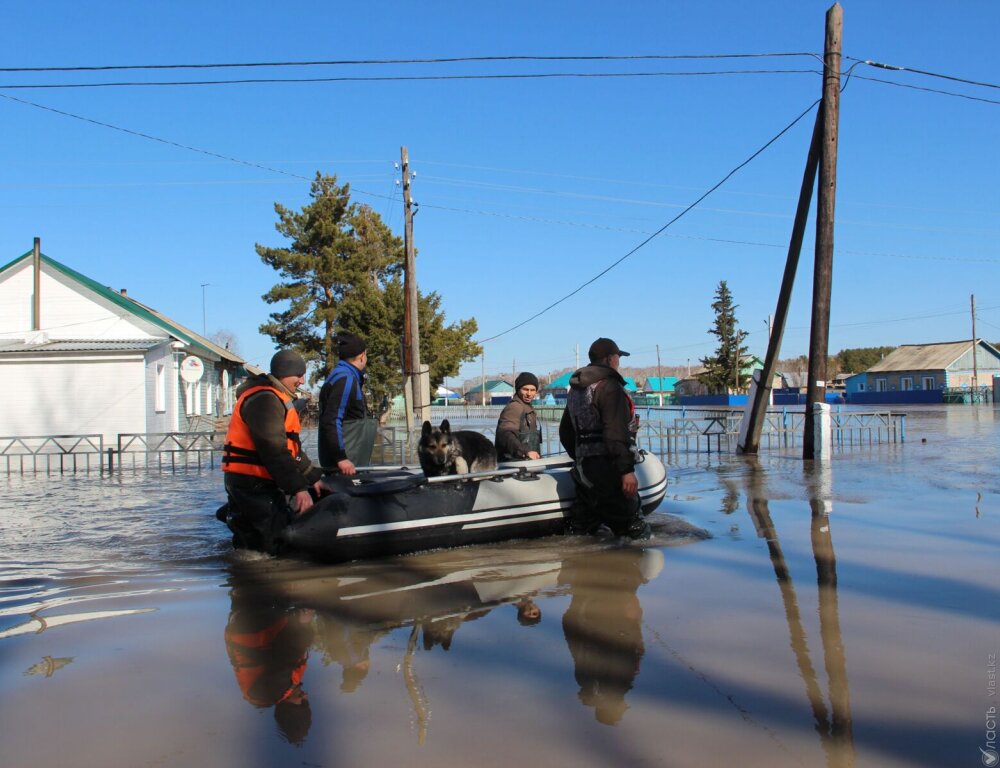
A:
(638, 529)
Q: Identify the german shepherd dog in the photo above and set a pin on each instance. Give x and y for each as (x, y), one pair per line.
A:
(443, 452)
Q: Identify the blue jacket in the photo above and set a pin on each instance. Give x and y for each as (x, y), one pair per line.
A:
(341, 399)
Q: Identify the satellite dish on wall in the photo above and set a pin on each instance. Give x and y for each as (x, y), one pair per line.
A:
(192, 369)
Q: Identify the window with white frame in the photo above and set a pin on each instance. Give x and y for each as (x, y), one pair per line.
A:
(160, 389)
(928, 382)
(881, 385)
(906, 383)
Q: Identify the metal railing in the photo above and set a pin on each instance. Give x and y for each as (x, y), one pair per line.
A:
(689, 431)
(176, 448)
(781, 429)
(58, 453)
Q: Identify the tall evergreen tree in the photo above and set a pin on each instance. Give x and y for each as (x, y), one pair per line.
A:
(343, 271)
(723, 372)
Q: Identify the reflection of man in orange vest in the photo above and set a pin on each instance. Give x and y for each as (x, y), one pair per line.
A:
(267, 474)
(268, 648)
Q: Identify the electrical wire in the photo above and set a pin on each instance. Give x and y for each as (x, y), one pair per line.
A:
(897, 68)
(446, 60)
(177, 145)
(402, 78)
(927, 90)
(676, 218)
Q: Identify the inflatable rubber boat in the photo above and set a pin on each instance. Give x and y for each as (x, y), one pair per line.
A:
(398, 510)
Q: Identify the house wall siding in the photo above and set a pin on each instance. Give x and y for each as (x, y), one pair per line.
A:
(67, 310)
(166, 419)
(72, 395)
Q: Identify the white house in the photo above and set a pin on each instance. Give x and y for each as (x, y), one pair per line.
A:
(79, 358)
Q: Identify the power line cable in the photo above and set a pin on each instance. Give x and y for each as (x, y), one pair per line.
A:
(445, 60)
(614, 264)
(175, 144)
(927, 90)
(897, 68)
(404, 78)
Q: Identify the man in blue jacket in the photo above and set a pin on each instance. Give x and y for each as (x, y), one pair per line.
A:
(346, 428)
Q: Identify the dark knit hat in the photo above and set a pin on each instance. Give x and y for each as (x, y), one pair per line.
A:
(287, 362)
(524, 379)
(350, 345)
(603, 348)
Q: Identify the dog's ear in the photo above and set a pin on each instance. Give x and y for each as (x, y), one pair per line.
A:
(426, 430)
(446, 427)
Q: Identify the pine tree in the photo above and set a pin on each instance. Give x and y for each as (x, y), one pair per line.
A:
(723, 369)
(342, 271)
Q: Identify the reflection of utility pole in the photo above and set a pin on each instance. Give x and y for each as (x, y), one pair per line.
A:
(833, 724)
(204, 312)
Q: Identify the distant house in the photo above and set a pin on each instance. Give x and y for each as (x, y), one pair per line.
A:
(445, 396)
(657, 389)
(559, 387)
(794, 381)
(496, 392)
(692, 385)
(926, 369)
(656, 385)
(92, 360)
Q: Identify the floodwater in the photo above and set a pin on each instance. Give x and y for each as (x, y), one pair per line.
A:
(846, 614)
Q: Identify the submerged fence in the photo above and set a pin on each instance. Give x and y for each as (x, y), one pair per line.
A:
(668, 432)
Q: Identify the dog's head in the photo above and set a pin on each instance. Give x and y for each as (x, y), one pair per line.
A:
(437, 447)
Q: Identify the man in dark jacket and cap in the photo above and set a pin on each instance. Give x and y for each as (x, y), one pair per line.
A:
(597, 430)
(518, 436)
(269, 479)
(346, 428)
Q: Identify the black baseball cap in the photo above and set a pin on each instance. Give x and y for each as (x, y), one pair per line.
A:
(603, 348)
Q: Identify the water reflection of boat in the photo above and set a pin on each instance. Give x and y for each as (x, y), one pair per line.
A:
(389, 512)
(284, 610)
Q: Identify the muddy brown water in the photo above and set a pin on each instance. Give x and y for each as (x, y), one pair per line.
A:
(845, 614)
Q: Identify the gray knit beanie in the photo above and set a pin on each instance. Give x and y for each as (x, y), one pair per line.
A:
(287, 362)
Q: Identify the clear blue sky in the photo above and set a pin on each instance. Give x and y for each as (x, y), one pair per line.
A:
(528, 187)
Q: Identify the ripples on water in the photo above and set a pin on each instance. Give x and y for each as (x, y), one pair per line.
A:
(913, 534)
(72, 542)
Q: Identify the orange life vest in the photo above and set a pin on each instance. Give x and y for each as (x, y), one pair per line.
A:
(240, 454)
(249, 654)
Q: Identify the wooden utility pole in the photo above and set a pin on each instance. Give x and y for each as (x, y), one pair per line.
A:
(659, 375)
(819, 336)
(975, 364)
(757, 409)
(411, 328)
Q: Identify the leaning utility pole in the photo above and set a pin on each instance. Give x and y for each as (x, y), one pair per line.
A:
(819, 336)
(413, 390)
(760, 399)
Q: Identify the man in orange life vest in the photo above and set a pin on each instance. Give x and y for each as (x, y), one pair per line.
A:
(268, 476)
